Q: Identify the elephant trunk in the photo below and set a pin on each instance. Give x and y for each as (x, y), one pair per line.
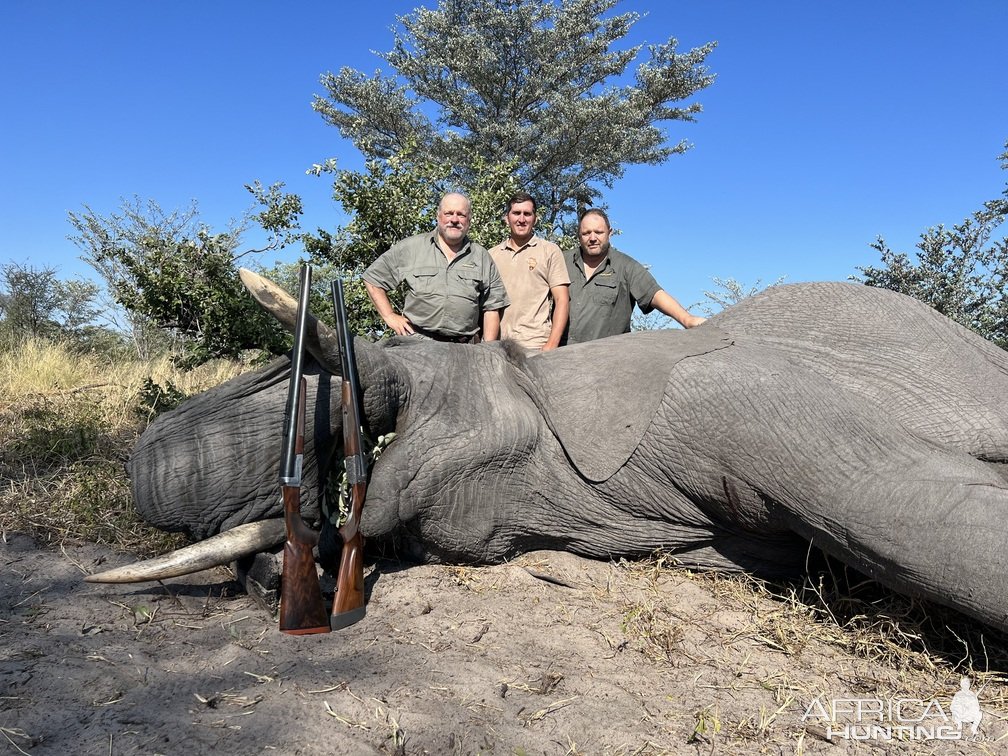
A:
(213, 463)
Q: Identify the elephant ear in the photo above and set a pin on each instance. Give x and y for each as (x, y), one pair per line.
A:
(599, 397)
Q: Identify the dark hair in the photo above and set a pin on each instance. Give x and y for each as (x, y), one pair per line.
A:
(518, 198)
(595, 211)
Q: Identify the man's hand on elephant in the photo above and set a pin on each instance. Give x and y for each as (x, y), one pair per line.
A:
(399, 324)
(669, 305)
(393, 320)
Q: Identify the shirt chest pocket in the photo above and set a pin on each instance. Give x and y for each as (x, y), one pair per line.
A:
(603, 290)
(466, 284)
(423, 280)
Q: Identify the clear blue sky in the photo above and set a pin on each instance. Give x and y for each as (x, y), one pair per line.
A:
(830, 123)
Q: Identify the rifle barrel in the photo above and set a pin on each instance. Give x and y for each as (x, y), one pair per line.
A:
(290, 468)
(349, 603)
(302, 609)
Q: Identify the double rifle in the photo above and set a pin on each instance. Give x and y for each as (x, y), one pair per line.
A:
(302, 609)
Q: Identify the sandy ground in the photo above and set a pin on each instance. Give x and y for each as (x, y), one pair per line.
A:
(449, 660)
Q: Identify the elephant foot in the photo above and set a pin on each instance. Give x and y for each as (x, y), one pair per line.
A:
(259, 575)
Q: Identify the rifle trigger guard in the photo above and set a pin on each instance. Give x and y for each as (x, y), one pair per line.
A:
(356, 469)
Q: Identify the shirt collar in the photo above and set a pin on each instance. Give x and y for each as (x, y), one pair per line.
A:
(465, 247)
(533, 241)
(606, 261)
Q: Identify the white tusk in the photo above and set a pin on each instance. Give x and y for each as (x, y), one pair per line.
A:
(222, 548)
(320, 338)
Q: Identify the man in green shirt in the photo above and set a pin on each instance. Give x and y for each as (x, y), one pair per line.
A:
(454, 288)
(605, 285)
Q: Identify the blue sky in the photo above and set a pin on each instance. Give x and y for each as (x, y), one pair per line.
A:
(830, 123)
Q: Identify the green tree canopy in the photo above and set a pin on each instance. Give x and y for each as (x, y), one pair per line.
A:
(172, 271)
(34, 303)
(535, 84)
(961, 271)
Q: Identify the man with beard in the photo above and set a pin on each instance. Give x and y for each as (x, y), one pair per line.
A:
(454, 289)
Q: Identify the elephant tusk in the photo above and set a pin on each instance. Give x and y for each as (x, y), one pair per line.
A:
(220, 549)
(320, 339)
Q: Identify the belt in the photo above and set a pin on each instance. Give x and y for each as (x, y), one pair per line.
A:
(436, 336)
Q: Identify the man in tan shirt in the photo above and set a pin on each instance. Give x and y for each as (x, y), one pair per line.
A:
(536, 279)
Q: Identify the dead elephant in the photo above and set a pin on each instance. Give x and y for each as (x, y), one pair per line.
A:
(850, 417)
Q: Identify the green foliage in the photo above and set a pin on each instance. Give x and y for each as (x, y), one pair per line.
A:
(30, 298)
(172, 271)
(526, 83)
(34, 303)
(154, 398)
(961, 271)
(76, 305)
(279, 214)
(100, 340)
(392, 199)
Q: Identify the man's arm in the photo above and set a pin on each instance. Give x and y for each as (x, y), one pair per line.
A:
(393, 320)
(671, 307)
(561, 311)
(491, 325)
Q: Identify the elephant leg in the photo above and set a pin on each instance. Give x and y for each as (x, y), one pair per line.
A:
(945, 540)
(921, 518)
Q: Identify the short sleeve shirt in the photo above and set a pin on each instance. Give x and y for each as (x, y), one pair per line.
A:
(444, 296)
(528, 274)
(602, 305)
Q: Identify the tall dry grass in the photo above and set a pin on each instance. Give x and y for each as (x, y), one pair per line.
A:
(67, 422)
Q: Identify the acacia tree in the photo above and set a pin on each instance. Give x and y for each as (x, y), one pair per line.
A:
(531, 83)
(961, 271)
(31, 297)
(34, 303)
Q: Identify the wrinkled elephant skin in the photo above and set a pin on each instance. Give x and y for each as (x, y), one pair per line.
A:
(854, 418)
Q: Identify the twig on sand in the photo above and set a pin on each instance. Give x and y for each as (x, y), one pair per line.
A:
(555, 706)
(7, 732)
(344, 720)
(73, 561)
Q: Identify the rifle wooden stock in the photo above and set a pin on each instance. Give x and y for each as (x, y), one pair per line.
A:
(302, 610)
(349, 602)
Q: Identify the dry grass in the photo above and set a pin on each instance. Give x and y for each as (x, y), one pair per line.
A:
(40, 367)
(67, 421)
(839, 633)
